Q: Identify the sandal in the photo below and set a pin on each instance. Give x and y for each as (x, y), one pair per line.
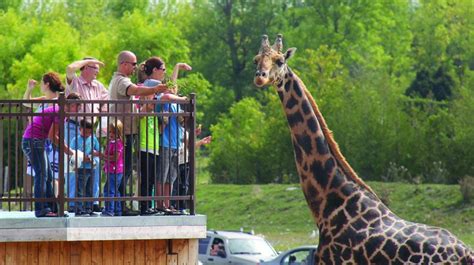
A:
(48, 214)
(51, 214)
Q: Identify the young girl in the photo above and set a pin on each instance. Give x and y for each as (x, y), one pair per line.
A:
(113, 156)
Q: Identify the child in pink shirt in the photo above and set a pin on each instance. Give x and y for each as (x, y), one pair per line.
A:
(113, 156)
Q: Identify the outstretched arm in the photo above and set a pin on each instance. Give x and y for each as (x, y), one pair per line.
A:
(204, 141)
(29, 88)
(146, 91)
(170, 96)
(177, 67)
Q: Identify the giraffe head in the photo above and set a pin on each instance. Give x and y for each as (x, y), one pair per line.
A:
(270, 61)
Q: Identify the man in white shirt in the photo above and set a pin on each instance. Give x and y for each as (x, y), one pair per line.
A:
(89, 88)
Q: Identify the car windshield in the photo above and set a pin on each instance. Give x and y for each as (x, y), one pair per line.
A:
(251, 247)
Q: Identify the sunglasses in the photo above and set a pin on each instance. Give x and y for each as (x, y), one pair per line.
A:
(134, 64)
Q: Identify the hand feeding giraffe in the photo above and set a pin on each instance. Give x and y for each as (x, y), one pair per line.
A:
(355, 226)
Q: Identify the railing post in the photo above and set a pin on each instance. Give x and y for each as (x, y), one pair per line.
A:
(192, 153)
(62, 116)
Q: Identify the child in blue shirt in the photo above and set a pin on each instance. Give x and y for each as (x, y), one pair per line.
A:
(87, 143)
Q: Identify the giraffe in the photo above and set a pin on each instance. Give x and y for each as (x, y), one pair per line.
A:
(355, 226)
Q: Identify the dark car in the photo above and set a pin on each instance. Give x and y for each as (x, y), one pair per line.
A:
(303, 255)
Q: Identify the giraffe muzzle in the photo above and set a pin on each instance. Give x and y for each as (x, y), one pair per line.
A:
(261, 78)
(260, 82)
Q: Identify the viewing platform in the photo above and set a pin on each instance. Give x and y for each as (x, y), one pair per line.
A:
(25, 239)
(169, 236)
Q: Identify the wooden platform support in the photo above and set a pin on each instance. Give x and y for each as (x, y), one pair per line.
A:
(163, 240)
(130, 252)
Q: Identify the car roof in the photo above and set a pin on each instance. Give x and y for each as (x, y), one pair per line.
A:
(305, 246)
(232, 234)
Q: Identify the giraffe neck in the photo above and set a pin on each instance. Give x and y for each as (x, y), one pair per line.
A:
(325, 176)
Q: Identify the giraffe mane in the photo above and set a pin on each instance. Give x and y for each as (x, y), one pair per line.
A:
(333, 146)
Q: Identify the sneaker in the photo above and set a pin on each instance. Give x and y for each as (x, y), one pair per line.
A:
(149, 212)
(96, 208)
(82, 214)
(92, 214)
(129, 212)
(106, 214)
(163, 211)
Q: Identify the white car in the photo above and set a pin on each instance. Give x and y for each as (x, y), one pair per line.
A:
(236, 248)
(303, 255)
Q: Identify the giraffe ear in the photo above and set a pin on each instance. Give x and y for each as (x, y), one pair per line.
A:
(289, 53)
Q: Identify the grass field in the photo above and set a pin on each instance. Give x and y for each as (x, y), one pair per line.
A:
(280, 213)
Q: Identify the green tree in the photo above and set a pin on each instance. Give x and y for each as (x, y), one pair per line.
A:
(437, 86)
(5, 5)
(276, 155)
(16, 40)
(118, 8)
(211, 100)
(51, 52)
(89, 18)
(147, 35)
(223, 38)
(371, 36)
(235, 144)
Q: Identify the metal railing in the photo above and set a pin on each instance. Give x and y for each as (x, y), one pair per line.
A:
(17, 191)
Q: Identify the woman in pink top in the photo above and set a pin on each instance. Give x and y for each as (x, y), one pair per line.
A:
(39, 131)
(33, 144)
(113, 167)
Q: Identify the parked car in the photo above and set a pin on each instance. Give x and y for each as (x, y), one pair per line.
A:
(237, 248)
(303, 255)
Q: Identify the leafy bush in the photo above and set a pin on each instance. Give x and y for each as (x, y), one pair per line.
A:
(235, 143)
(467, 188)
(437, 173)
(396, 173)
(252, 144)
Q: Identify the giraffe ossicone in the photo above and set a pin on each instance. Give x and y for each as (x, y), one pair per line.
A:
(355, 227)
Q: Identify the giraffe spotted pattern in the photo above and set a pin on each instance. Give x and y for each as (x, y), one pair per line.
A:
(355, 226)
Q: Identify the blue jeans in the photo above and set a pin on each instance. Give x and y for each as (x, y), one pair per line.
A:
(84, 188)
(96, 182)
(43, 179)
(71, 187)
(128, 157)
(71, 130)
(71, 183)
(111, 189)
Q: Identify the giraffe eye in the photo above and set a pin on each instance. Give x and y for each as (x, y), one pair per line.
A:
(279, 62)
(255, 62)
